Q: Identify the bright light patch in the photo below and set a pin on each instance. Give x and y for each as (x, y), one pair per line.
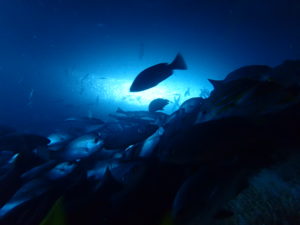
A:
(97, 88)
(118, 90)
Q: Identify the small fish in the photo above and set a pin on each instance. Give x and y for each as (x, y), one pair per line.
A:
(87, 120)
(39, 170)
(157, 104)
(187, 92)
(51, 180)
(286, 74)
(204, 93)
(153, 75)
(85, 77)
(176, 102)
(28, 191)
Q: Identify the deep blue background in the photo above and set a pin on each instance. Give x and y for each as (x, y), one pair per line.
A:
(54, 54)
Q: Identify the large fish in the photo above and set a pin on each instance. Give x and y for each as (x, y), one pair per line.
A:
(286, 74)
(255, 72)
(22, 142)
(153, 75)
(245, 73)
(54, 179)
(201, 198)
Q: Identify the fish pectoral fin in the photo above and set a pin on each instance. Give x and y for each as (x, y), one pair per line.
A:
(223, 214)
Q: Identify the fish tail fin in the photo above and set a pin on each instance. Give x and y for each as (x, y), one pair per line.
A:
(178, 63)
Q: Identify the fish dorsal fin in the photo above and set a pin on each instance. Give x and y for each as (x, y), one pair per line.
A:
(178, 63)
(215, 83)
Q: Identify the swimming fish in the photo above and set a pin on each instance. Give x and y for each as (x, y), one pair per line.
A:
(157, 104)
(153, 75)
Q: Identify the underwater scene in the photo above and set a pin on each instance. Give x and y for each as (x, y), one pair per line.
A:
(149, 112)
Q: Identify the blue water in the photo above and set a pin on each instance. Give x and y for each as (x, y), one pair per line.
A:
(62, 58)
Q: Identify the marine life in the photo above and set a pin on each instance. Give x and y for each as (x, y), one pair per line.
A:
(157, 104)
(187, 92)
(80, 147)
(22, 142)
(153, 75)
(176, 102)
(150, 143)
(37, 187)
(147, 167)
(286, 74)
(201, 197)
(157, 118)
(255, 72)
(191, 105)
(59, 137)
(86, 120)
(116, 135)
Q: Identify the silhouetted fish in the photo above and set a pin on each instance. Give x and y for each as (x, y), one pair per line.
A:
(86, 120)
(78, 148)
(254, 72)
(22, 142)
(157, 104)
(34, 188)
(153, 75)
(201, 198)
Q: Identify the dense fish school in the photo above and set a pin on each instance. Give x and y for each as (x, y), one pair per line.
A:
(151, 168)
